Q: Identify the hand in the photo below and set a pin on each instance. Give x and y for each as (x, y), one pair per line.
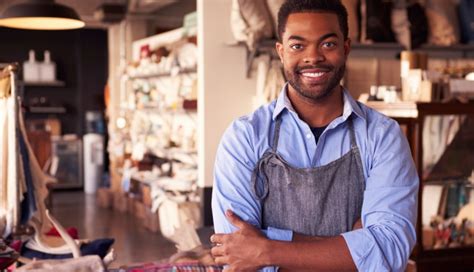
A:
(357, 225)
(242, 250)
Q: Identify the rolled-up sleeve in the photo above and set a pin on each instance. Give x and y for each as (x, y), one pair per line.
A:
(235, 160)
(389, 209)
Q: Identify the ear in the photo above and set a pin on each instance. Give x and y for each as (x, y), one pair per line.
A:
(279, 49)
(347, 47)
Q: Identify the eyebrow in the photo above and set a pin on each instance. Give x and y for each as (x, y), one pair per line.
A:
(296, 37)
(322, 38)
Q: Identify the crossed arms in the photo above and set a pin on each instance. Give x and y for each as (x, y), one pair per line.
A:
(388, 213)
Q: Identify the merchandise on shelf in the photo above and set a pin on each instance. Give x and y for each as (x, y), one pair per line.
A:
(155, 136)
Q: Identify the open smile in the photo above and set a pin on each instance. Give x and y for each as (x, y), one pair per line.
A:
(314, 76)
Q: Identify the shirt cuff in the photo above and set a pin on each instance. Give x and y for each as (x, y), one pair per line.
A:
(279, 234)
(360, 244)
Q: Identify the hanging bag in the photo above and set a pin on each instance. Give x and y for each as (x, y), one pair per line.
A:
(443, 22)
(376, 21)
(418, 24)
(466, 17)
(409, 23)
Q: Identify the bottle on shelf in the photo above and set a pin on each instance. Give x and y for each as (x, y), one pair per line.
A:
(47, 68)
(31, 70)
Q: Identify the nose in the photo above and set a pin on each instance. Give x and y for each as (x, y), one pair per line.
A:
(314, 55)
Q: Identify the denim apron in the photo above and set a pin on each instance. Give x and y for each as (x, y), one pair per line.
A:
(319, 201)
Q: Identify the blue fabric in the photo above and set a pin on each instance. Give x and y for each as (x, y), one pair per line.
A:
(28, 204)
(97, 247)
(390, 202)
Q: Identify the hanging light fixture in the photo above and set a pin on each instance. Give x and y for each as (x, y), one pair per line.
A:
(40, 15)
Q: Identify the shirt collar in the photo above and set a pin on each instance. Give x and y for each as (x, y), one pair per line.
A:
(283, 102)
(350, 105)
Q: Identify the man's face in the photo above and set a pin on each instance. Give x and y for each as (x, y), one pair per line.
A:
(314, 53)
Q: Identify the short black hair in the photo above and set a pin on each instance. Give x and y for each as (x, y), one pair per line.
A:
(298, 6)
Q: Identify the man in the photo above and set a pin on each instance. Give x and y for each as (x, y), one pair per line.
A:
(293, 178)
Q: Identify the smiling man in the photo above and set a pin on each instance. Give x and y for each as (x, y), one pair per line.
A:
(314, 181)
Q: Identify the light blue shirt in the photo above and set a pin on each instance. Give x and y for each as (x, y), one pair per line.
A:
(389, 208)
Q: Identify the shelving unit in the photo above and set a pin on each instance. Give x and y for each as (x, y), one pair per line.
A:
(445, 259)
(186, 107)
(158, 105)
(375, 50)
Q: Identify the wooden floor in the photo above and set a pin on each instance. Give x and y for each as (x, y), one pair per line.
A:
(133, 243)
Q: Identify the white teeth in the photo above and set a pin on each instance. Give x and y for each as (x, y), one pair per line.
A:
(313, 74)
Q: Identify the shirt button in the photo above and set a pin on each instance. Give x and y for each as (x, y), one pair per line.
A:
(308, 136)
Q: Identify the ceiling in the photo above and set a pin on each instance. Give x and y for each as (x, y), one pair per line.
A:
(169, 12)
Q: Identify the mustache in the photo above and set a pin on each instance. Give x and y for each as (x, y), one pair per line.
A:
(320, 66)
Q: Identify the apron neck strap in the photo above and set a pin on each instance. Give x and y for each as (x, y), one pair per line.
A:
(276, 134)
(352, 132)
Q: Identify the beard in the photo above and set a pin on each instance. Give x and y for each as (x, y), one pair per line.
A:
(309, 92)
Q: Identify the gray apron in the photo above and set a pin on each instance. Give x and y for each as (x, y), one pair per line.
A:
(320, 201)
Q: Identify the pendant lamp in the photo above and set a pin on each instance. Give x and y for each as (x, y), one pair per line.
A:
(40, 15)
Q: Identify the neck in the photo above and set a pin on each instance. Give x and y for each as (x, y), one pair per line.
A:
(317, 113)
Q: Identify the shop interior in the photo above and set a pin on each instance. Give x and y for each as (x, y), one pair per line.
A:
(109, 129)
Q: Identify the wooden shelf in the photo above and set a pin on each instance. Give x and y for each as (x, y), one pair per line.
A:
(164, 74)
(448, 182)
(455, 251)
(47, 110)
(56, 83)
(189, 105)
(447, 259)
(413, 109)
(395, 110)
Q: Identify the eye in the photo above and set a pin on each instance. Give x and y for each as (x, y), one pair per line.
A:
(296, 46)
(328, 44)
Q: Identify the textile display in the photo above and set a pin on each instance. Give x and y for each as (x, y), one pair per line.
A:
(439, 132)
(466, 16)
(98, 247)
(352, 7)
(409, 24)
(274, 7)
(167, 267)
(83, 264)
(270, 80)
(375, 21)
(457, 160)
(443, 22)
(250, 21)
(9, 159)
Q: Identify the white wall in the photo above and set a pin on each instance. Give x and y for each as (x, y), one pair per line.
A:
(224, 91)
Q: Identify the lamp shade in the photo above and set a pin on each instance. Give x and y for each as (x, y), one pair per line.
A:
(40, 15)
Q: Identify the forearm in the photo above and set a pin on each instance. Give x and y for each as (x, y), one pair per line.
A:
(301, 238)
(327, 254)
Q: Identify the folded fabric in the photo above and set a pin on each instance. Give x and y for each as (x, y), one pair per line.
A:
(82, 264)
(71, 231)
(9, 254)
(166, 267)
(97, 247)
